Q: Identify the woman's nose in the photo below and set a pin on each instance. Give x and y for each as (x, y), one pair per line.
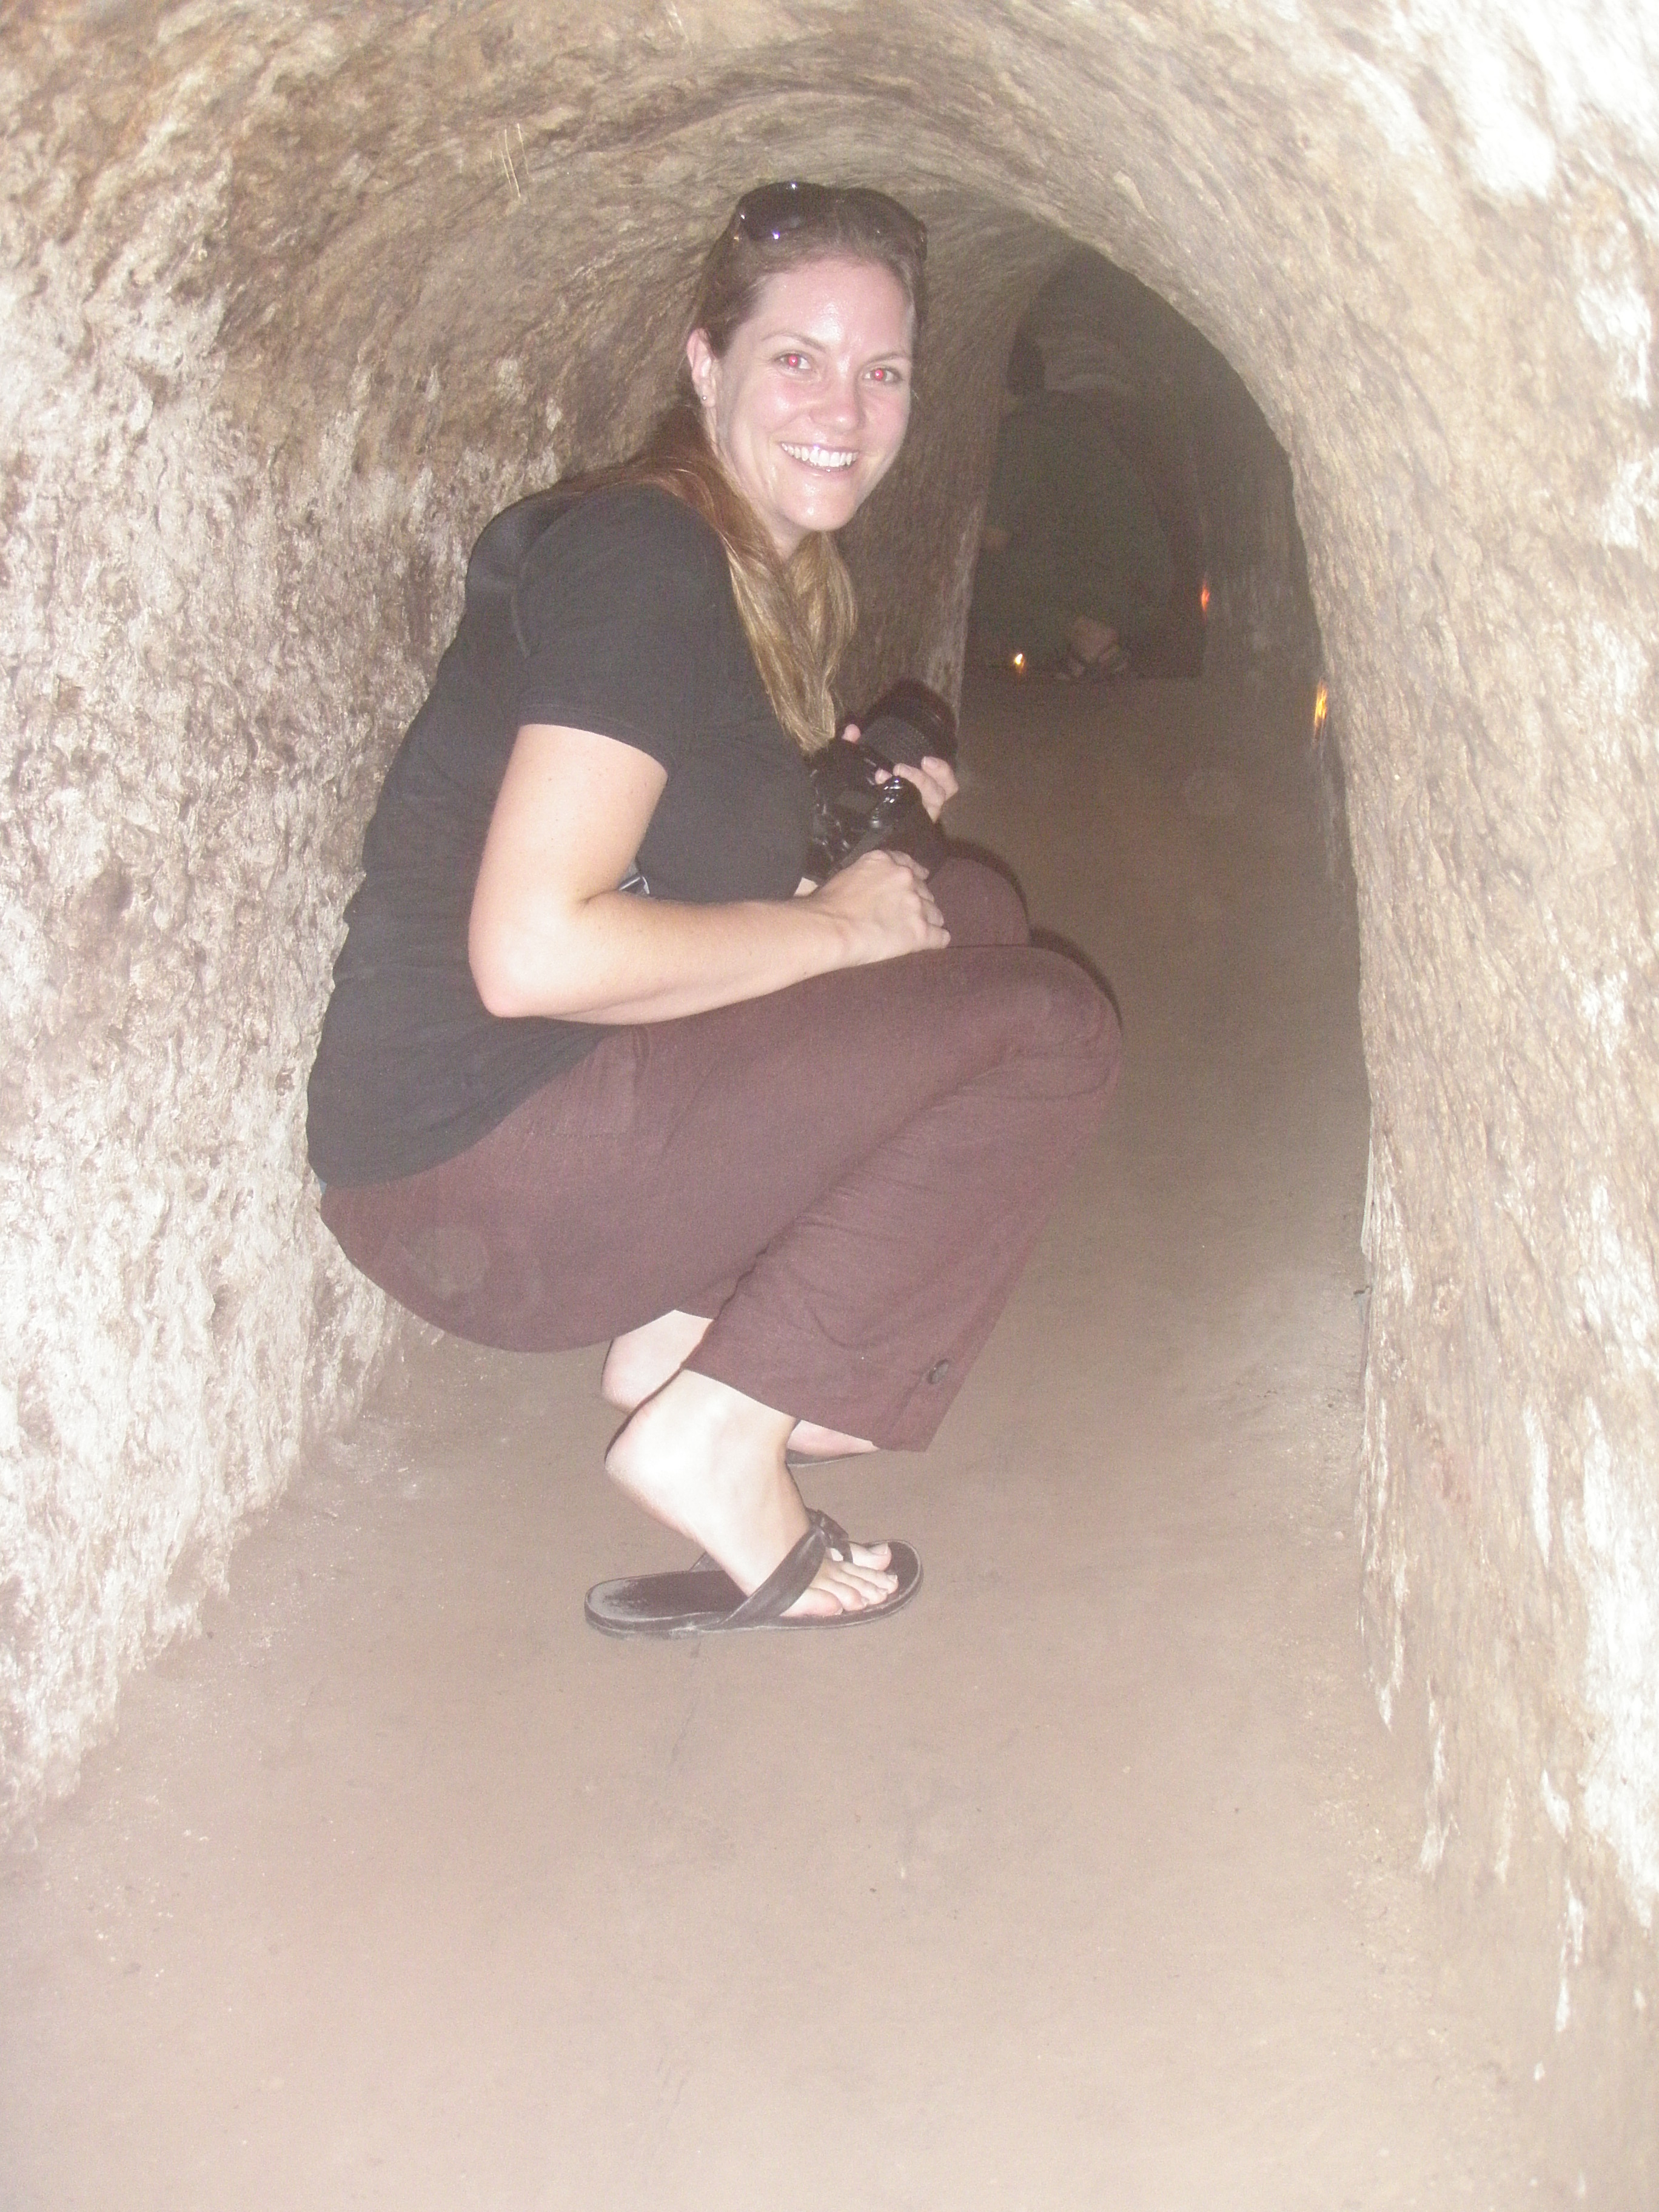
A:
(841, 402)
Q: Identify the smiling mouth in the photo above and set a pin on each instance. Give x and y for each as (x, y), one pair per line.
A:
(828, 457)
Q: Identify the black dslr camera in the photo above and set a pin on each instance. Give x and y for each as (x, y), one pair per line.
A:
(854, 810)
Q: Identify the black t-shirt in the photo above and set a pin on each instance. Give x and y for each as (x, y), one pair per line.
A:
(611, 612)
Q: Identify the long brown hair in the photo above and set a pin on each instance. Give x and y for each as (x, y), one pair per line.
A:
(799, 614)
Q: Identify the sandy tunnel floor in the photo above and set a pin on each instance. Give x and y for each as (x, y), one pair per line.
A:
(1089, 1881)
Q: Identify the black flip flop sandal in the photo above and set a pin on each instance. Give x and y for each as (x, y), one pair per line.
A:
(702, 1599)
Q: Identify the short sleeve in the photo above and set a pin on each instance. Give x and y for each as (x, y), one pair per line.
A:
(623, 616)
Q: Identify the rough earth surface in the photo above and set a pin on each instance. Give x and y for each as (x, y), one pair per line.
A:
(294, 296)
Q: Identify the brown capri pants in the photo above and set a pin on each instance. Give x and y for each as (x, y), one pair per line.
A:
(847, 1175)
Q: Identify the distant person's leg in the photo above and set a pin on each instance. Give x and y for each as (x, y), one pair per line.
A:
(1092, 649)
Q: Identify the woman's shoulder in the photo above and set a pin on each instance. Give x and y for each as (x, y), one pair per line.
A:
(640, 517)
(621, 564)
(579, 525)
(630, 553)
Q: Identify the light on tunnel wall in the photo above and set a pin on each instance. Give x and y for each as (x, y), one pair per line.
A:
(1017, 662)
(1322, 708)
(1204, 597)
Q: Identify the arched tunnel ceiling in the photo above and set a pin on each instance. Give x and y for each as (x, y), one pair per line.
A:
(455, 224)
(298, 294)
(461, 191)
(552, 213)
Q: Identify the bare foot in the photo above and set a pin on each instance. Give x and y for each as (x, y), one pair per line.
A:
(709, 1462)
(641, 1362)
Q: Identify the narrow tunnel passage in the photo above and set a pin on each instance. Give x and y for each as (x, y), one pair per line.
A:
(1096, 1863)
(1127, 1699)
(295, 299)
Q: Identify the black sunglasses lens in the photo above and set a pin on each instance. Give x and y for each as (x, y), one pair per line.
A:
(887, 214)
(773, 211)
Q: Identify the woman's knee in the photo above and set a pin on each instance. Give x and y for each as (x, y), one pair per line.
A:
(1074, 1024)
(980, 904)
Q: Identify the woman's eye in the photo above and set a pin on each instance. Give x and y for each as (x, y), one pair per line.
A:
(792, 361)
(888, 375)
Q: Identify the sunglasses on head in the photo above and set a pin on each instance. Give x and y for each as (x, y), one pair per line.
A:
(773, 211)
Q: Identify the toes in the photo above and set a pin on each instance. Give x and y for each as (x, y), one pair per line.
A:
(855, 1587)
(872, 1555)
(849, 1585)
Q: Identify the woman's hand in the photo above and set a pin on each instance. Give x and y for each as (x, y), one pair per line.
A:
(885, 908)
(936, 780)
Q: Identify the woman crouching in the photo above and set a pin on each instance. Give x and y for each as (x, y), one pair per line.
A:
(601, 1063)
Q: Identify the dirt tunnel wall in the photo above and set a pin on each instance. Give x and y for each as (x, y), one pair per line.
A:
(294, 297)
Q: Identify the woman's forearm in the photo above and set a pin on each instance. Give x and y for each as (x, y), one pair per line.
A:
(616, 957)
(549, 935)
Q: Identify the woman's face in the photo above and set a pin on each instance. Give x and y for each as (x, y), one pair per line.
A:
(808, 405)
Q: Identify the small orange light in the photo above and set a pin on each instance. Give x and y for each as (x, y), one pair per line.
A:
(1204, 596)
(1018, 664)
(1322, 708)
